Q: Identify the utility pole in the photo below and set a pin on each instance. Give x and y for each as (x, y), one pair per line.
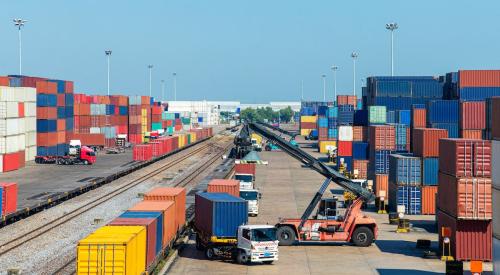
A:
(175, 86)
(150, 67)
(19, 23)
(162, 90)
(354, 55)
(324, 87)
(334, 69)
(392, 27)
(302, 90)
(108, 55)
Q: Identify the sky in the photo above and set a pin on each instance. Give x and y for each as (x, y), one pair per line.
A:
(250, 51)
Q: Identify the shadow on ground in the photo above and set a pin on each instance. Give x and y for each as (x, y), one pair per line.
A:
(404, 271)
(402, 247)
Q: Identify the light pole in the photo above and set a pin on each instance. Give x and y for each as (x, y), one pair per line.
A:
(324, 87)
(175, 86)
(354, 55)
(19, 23)
(108, 55)
(302, 90)
(334, 69)
(150, 67)
(162, 90)
(392, 27)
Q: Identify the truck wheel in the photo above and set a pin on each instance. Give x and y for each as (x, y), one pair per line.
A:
(86, 162)
(362, 236)
(242, 257)
(210, 253)
(286, 235)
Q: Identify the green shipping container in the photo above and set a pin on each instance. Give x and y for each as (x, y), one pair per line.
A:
(377, 114)
(188, 139)
(167, 116)
(186, 120)
(170, 130)
(156, 126)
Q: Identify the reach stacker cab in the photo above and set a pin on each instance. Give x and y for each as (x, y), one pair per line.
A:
(328, 225)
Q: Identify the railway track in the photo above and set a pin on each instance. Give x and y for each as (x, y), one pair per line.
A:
(41, 230)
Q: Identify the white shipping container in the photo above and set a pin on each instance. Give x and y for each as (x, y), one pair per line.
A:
(2, 145)
(30, 139)
(21, 141)
(1, 163)
(12, 109)
(30, 109)
(29, 124)
(11, 144)
(7, 94)
(95, 130)
(30, 153)
(30, 94)
(9, 126)
(3, 110)
(345, 133)
(495, 163)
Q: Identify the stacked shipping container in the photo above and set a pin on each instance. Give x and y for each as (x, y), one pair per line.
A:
(139, 118)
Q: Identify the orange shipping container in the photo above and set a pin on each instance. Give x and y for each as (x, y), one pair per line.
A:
(429, 200)
(472, 134)
(362, 167)
(46, 87)
(419, 118)
(232, 187)
(347, 100)
(168, 210)
(46, 139)
(46, 112)
(473, 115)
(175, 194)
(4, 81)
(479, 78)
(61, 125)
(382, 184)
(61, 137)
(360, 133)
(382, 137)
(426, 141)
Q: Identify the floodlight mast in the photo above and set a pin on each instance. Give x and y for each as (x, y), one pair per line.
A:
(354, 56)
(19, 23)
(108, 55)
(392, 27)
(334, 69)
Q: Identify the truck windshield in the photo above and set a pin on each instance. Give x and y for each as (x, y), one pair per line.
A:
(91, 154)
(245, 178)
(248, 195)
(264, 234)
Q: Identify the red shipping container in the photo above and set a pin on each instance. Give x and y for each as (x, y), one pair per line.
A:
(382, 184)
(465, 198)
(151, 227)
(68, 87)
(61, 101)
(9, 197)
(473, 115)
(46, 87)
(175, 194)
(360, 133)
(308, 125)
(469, 239)
(11, 162)
(157, 149)
(22, 158)
(46, 112)
(232, 187)
(426, 141)
(90, 139)
(362, 167)
(245, 168)
(382, 137)
(429, 200)
(495, 117)
(478, 78)
(347, 100)
(20, 109)
(61, 125)
(178, 127)
(419, 119)
(465, 157)
(142, 152)
(344, 148)
(471, 134)
(4, 81)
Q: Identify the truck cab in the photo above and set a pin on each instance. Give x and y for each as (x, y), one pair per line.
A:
(246, 181)
(257, 244)
(252, 196)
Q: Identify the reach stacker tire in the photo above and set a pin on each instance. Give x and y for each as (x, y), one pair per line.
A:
(286, 235)
(362, 236)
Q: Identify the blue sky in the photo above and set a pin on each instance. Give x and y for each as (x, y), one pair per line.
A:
(252, 51)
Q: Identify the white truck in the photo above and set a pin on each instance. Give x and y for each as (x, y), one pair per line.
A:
(252, 196)
(254, 244)
(246, 181)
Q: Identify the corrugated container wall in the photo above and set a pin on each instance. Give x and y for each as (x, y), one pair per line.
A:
(429, 200)
(465, 157)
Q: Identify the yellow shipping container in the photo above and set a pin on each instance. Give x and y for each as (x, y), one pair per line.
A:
(193, 137)
(312, 119)
(305, 132)
(182, 140)
(112, 250)
(323, 145)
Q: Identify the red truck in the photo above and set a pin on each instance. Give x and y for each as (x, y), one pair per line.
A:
(77, 155)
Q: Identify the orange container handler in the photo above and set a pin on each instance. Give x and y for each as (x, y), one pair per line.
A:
(175, 194)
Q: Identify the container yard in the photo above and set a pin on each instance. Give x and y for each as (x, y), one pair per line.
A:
(238, 138)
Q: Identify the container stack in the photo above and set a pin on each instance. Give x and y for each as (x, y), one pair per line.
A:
(322, 123)
(169, 121)
(495, 177)
(156, 118)
(472, 119)
(344, 147)
(405, 183)
(87, 121)
(120, 117)
(17, 127)
(382, 144)
(465, 198)
(418, 120)
(307, 124)
(343, 100)
(139, 118)
(472, 85)
(444, 114)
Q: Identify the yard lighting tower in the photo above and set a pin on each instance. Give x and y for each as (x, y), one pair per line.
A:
(19, 23)
(334, 69)
(108, 55)
(150, 67)
(392, 27)
(175, 86)
(354, 56)
(162, 90)
(324, 87)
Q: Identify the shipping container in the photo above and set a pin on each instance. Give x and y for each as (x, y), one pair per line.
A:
(426, 141)
(9, 197)
(495, 118)
(169, 217)
(465, 157)
(442, 111)
(465, 198)
(382, 137)
(429, 200)
(158, 216)
(229, 186)
(360, 168)
(325, 145)
(469, 239)
(473, 115)
(112, 247)
(345, 133)
(479, 78)
(219, 214)
(451, 128)
(175, 194)
(245, 168)
(430, 168)
(360, 150)
(382, 184)
(377, 114)
(344, 148)
(379, 161)
(360, 133)
(404, 170)
(495, 162)
(409, 196)
(418, 118)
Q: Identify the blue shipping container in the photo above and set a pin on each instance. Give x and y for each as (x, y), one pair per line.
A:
(219, 214)
(361, 118)
(442, 111)
(332, 112)
(405, 170)
(322, 122)
(46, 125)
(379, 161)
(62, 149)
(333, 133)
(123, 110)
(110, 110)
(69, 100)
(346, 115)
(61, 85)
(477, 93)
(46, 151)
(322, 110)
(159, 224)
(403, 117)
(360, 150)
(332, 122)
(430, 168)
(452, 128)
(61, 112)
(69, 111)
(391, 116)
(409, 196)
(15, 82)
(46, 100)
(69, 124)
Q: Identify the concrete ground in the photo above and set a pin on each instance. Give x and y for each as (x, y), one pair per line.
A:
(287, 189)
